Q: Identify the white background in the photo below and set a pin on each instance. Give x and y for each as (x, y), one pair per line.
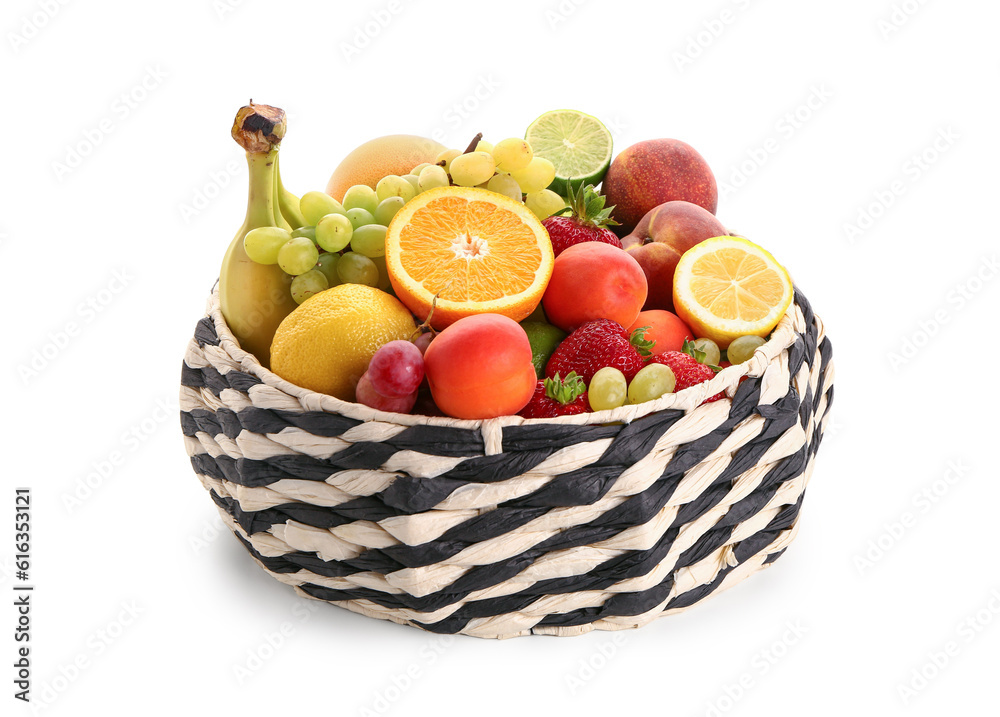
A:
(814, 116)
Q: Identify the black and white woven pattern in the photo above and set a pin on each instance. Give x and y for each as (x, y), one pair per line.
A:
(510, 527)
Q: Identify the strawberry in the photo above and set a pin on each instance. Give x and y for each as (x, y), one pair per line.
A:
(688, 370)
(557, 397)
(588, 220)
(597, 344)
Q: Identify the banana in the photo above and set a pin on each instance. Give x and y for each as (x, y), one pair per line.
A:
(288, 203)
(255, 298)
(279, 218)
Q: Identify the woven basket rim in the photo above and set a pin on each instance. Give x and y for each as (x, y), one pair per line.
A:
(725, 381)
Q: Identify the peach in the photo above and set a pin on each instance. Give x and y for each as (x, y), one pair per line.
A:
(480, 367)
(592, 281)
(659, 240)
(665, 329)
(655, 171)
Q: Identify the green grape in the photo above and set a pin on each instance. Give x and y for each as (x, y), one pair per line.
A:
(468, 170)
(360, 196)
(652, 381)
(263, 244)
(413, 180)
(307, 232)
(447, 156)
(308, 284)
(393, 186)
(711, 349)
(357, 269)
(383, 273)
(608, 389)
(512, 154)
(316, 205)
(328, 265)
(387, 209)
(334, 232)
(484, 146)
(741, 349)
(504, 184)
(432, 176)
(369, 240)
(545, 203)
(297, 256)
(536, 176)
(360, 217)
(419, 168)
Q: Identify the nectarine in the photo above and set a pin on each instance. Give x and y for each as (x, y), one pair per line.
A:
(661, 237)
(480, 367)
(592, 281)
(653, 172)
(666, 330)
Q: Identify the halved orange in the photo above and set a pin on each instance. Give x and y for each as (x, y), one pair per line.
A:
(728, 287)
(478, 251)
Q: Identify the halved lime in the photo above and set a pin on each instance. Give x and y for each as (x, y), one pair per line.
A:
(577, 144)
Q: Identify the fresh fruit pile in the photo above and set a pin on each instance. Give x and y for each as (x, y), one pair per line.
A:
(542, 276)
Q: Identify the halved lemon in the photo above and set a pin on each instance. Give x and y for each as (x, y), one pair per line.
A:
(728, 287)
(478, 251)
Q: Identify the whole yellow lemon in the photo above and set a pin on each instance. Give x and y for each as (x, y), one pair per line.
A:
(326, 343)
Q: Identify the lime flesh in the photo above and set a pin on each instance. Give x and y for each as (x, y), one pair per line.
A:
(577, 144)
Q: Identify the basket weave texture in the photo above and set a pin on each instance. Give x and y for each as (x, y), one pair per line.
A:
(510, 527)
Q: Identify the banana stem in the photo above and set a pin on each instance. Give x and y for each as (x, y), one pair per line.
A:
(261, 207)
(259, 128)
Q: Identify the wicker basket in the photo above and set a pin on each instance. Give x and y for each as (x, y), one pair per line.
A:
(510, 527)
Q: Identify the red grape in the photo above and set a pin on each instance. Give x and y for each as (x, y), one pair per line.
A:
(423, 341)
(366, 394)
(396, 369)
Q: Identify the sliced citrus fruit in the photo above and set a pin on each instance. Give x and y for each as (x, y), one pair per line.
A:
(728, 287)
(477, 251)
(577, 144)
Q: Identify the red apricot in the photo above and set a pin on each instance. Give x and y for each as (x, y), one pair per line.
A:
(592, 281)
(480, 367)
(665, 329)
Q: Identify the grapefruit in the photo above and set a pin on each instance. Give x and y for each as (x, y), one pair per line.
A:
(377, 158)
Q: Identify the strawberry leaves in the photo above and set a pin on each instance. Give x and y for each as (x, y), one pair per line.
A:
(586, 205)
(565, 390)
(698, 355)
(638, 339)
